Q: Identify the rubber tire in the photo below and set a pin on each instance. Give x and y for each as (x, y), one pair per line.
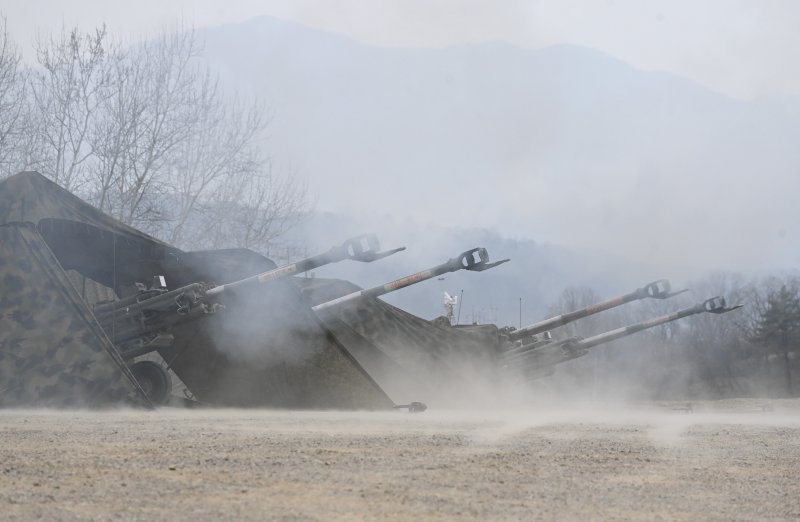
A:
(154, 380)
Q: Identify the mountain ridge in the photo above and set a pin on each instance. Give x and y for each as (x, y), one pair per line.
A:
(566, 144)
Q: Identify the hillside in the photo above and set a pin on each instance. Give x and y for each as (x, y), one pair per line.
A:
(563, 145)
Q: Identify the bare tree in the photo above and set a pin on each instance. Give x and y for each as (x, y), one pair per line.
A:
(713, 344)
(112, 129)
(573, 298)
(216, 187)
(14, 152)
(250, 211)
(210, 168)
(174, 92)
(66, 92)
(147, 134)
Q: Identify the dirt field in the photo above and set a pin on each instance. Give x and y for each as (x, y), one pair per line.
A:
(725, 461)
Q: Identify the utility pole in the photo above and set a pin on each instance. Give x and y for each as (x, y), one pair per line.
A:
(460, 301)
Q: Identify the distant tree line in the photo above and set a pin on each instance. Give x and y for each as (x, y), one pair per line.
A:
(754, 351)
(145, 132)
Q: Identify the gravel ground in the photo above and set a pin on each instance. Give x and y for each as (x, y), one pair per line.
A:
(735, 460)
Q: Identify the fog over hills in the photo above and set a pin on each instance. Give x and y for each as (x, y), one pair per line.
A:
(632, 173)
(537, 272)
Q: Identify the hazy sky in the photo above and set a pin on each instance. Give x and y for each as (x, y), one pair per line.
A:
(744, 48)
(587, 191)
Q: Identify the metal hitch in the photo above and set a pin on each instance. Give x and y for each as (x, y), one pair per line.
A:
(414, 407)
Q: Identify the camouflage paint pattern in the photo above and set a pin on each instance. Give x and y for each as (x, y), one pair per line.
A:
(52, 351)
(267, 348)
(31, 197)
(411, 358)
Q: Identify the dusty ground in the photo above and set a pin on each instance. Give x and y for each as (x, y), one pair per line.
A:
(725, 461)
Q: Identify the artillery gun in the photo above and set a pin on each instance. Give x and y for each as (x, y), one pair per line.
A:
(122, 294)
(137, 324)
(141, 323)
(538, 357)
(61, 258)
(474, 260)
(405, 354)
(660, 289)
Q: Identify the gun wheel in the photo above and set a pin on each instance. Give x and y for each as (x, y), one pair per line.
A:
(154, 380)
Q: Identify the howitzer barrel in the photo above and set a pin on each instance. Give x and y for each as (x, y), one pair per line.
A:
(539, 357)
(475, 260)
(715, 305)
(657, 290)
(135, 320)
(361, 248)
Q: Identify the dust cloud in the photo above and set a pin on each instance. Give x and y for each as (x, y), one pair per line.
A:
(733, 460)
